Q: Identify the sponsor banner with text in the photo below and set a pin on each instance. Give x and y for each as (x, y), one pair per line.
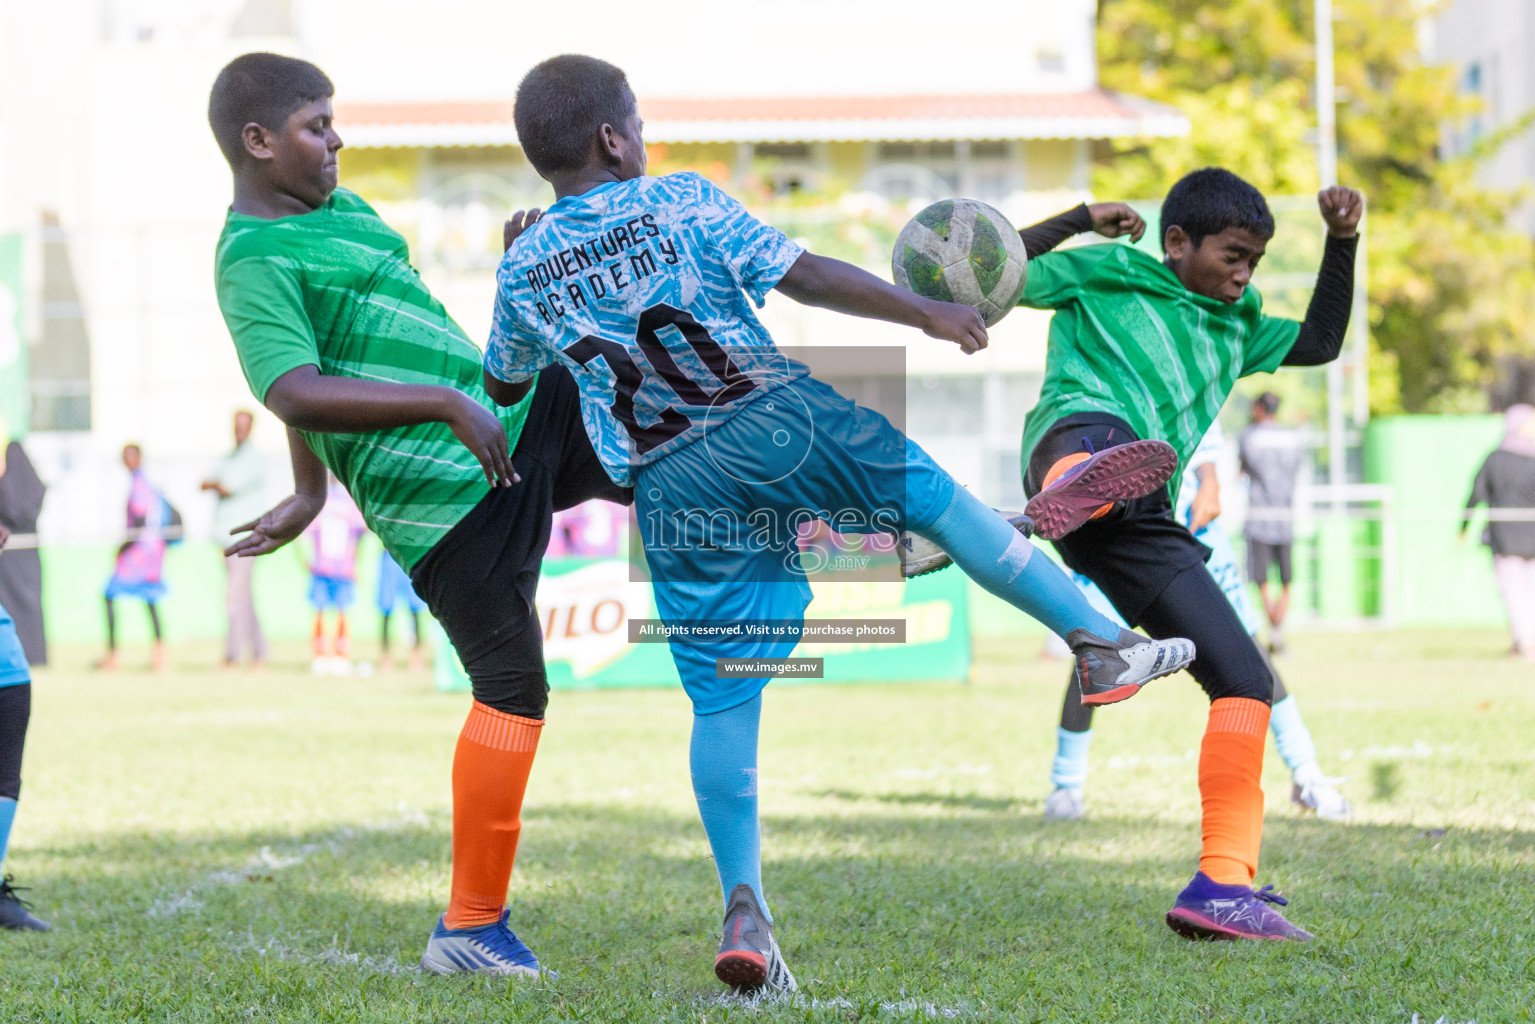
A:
(590, 609)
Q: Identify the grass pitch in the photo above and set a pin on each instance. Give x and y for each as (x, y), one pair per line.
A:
(217, 847)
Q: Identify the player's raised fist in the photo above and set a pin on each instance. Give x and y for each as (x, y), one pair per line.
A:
(1111, 220)
(956, 322)
(516, 224)
(1341, 209)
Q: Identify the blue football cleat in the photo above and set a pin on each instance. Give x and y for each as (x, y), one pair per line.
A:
(485, 949)
(1208, 910)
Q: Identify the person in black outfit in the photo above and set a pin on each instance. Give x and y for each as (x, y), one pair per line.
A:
(1506, 485)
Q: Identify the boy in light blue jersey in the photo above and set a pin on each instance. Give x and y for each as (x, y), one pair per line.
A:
(1198, 509)
(644, 289)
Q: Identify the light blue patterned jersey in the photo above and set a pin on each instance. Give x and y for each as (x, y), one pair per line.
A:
(640, 288)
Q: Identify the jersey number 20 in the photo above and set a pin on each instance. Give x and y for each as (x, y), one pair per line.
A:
(628, 376)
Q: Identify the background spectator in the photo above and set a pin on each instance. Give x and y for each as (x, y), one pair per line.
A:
(141, 559)
(1506, 485)
(239, 480)
(1271, 458)
(21, 570)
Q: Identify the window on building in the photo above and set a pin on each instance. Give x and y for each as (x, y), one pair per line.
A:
(60, 361)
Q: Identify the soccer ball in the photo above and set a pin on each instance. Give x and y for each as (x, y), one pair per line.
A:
(960, 250)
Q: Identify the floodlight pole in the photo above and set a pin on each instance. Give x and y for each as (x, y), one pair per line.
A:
(1327, 172)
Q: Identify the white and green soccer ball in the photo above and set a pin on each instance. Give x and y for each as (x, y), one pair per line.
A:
(961, 250)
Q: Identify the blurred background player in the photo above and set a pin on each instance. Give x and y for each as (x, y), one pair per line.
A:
(1506, 485)
(1198, 508)
(1271, 456)
(333, 537)
(652, 314)
(140, 564)
(15, 712)
(394, 589)
(239, 481)
(21, 570)
(1148, 348)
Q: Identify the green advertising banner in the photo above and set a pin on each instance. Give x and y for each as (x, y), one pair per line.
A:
(15, 399)
(586, 604)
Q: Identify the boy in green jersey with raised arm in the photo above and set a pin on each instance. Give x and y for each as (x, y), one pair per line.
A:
(1146, 348)
(340, 338)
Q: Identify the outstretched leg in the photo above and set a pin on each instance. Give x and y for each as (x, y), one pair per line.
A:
(1114, 663)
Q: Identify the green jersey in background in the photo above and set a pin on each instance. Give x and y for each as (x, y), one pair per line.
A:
(1128, 339)
(334, 288)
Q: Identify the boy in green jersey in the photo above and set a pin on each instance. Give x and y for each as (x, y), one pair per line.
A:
(1142, 348)
(338, 336)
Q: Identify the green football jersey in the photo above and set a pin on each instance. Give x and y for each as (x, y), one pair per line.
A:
(334, 289)
(1130, 340)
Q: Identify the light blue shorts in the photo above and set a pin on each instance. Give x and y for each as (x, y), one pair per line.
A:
(720, 519)
(394, 587)
(330, 593)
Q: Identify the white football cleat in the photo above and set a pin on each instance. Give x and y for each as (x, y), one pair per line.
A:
(1314, 791)
(1065, 804)
(920, 556)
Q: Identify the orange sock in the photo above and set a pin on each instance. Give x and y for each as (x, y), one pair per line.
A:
(342, 643)
(1230, 768)
(490, 774)
(318, 643)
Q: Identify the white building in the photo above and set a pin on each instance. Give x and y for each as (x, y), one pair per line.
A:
(1491, 45)
(110, 177)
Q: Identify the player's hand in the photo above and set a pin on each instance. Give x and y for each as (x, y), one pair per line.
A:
(482, 432)
(956, 322)
(1111, 220)
(276, 527)
(1341, 209)
(5, 535)
(1204, 509)
(516, 224)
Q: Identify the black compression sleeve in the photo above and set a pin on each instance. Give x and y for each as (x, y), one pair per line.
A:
(15, 712)
(1321, 333)
(1047, 234)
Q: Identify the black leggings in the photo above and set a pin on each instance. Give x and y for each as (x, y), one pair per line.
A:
(154, 622)
(415, 629)
(15, 711)
(479, 581)
(1227, 662)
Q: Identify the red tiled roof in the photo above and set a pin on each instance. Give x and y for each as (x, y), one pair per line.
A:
(1096, 103)
(1094, 113)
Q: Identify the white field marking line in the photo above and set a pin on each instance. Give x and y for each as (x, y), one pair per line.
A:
(264, 861)
(799, 1001)
(334, 956)
(1416, 1019)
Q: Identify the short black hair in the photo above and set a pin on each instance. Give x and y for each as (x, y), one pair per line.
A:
(264, 88)
(1268, 402)
(562, 103)
(1207, 202)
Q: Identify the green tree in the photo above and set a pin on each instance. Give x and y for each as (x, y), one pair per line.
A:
(1450, 284)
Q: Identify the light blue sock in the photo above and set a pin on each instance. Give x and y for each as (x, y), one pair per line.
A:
(1069, 769)
(7, 815)
(1291, 735)
(1003, 561)
(723, 759)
